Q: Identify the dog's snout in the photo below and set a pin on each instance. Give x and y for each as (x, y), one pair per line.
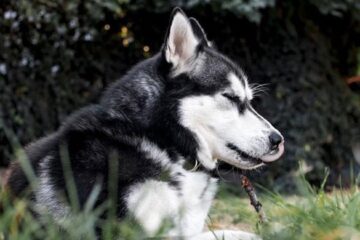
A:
(275, 140)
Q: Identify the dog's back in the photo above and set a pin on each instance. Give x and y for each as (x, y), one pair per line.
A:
(130, 100)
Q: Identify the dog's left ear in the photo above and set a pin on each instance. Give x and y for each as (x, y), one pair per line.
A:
(181, 41)
(199, 32)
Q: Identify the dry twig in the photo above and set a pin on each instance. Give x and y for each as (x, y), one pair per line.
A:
(246, 184)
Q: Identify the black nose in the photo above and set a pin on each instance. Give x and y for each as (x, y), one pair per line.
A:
(275, 140)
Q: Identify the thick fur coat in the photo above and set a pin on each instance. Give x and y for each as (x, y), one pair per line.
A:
(155, 138)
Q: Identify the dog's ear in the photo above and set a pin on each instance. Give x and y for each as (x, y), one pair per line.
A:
(181, 42)
(199, 32)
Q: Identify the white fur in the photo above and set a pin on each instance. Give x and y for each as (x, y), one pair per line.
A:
(216, 121)
(197, 192)
(152, 151)
(47, 199)
(153, 202)
(243, 91)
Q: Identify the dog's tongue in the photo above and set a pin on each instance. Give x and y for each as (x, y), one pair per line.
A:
(275, 156)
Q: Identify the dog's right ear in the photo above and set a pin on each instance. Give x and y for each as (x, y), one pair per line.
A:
(181, 42)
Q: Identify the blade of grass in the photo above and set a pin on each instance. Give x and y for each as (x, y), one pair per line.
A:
(19, 153)
(69, 177)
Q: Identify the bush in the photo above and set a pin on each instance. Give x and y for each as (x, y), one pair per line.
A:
(58, 56)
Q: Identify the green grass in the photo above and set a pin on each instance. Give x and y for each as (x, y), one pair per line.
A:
(313, 214)
(17, 222)
(316, 216)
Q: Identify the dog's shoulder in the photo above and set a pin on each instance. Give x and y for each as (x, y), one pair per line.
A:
(136, 93)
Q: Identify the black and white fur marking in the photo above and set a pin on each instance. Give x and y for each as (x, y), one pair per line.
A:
(187, 105)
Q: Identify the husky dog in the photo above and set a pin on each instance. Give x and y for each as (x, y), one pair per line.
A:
(162, 128)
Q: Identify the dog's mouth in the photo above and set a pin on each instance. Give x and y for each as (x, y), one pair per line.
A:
(255, 162)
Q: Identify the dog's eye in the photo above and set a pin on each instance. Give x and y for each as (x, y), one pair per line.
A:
(235, 99)
(232, 97)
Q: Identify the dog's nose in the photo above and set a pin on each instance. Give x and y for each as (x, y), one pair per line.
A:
(275, 140)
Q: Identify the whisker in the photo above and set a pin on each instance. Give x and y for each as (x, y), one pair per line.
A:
(218, 173)
(259, 89)
(255, 86)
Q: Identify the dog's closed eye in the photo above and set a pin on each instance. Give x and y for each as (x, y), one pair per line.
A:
(232, 97)
(235, 99)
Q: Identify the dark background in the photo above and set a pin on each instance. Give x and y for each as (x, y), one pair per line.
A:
(57, 56)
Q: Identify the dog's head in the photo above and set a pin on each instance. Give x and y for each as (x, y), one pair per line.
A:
(214, 100)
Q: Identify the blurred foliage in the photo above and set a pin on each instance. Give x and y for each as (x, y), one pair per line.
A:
(50, 62)
(338, 8)
(56, 56)
(249, 9)
(252, 10)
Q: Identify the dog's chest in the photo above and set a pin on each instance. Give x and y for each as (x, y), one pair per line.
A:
(196, 187)
(186, 203)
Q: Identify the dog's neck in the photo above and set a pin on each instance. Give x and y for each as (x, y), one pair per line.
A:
(169, 155)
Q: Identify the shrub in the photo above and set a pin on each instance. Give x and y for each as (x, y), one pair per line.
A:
(58, 56)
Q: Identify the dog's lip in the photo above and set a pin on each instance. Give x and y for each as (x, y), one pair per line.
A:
(270, 157)
(244, 155)
(273, 156)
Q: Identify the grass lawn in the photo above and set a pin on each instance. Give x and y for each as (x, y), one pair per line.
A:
(310, 215)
